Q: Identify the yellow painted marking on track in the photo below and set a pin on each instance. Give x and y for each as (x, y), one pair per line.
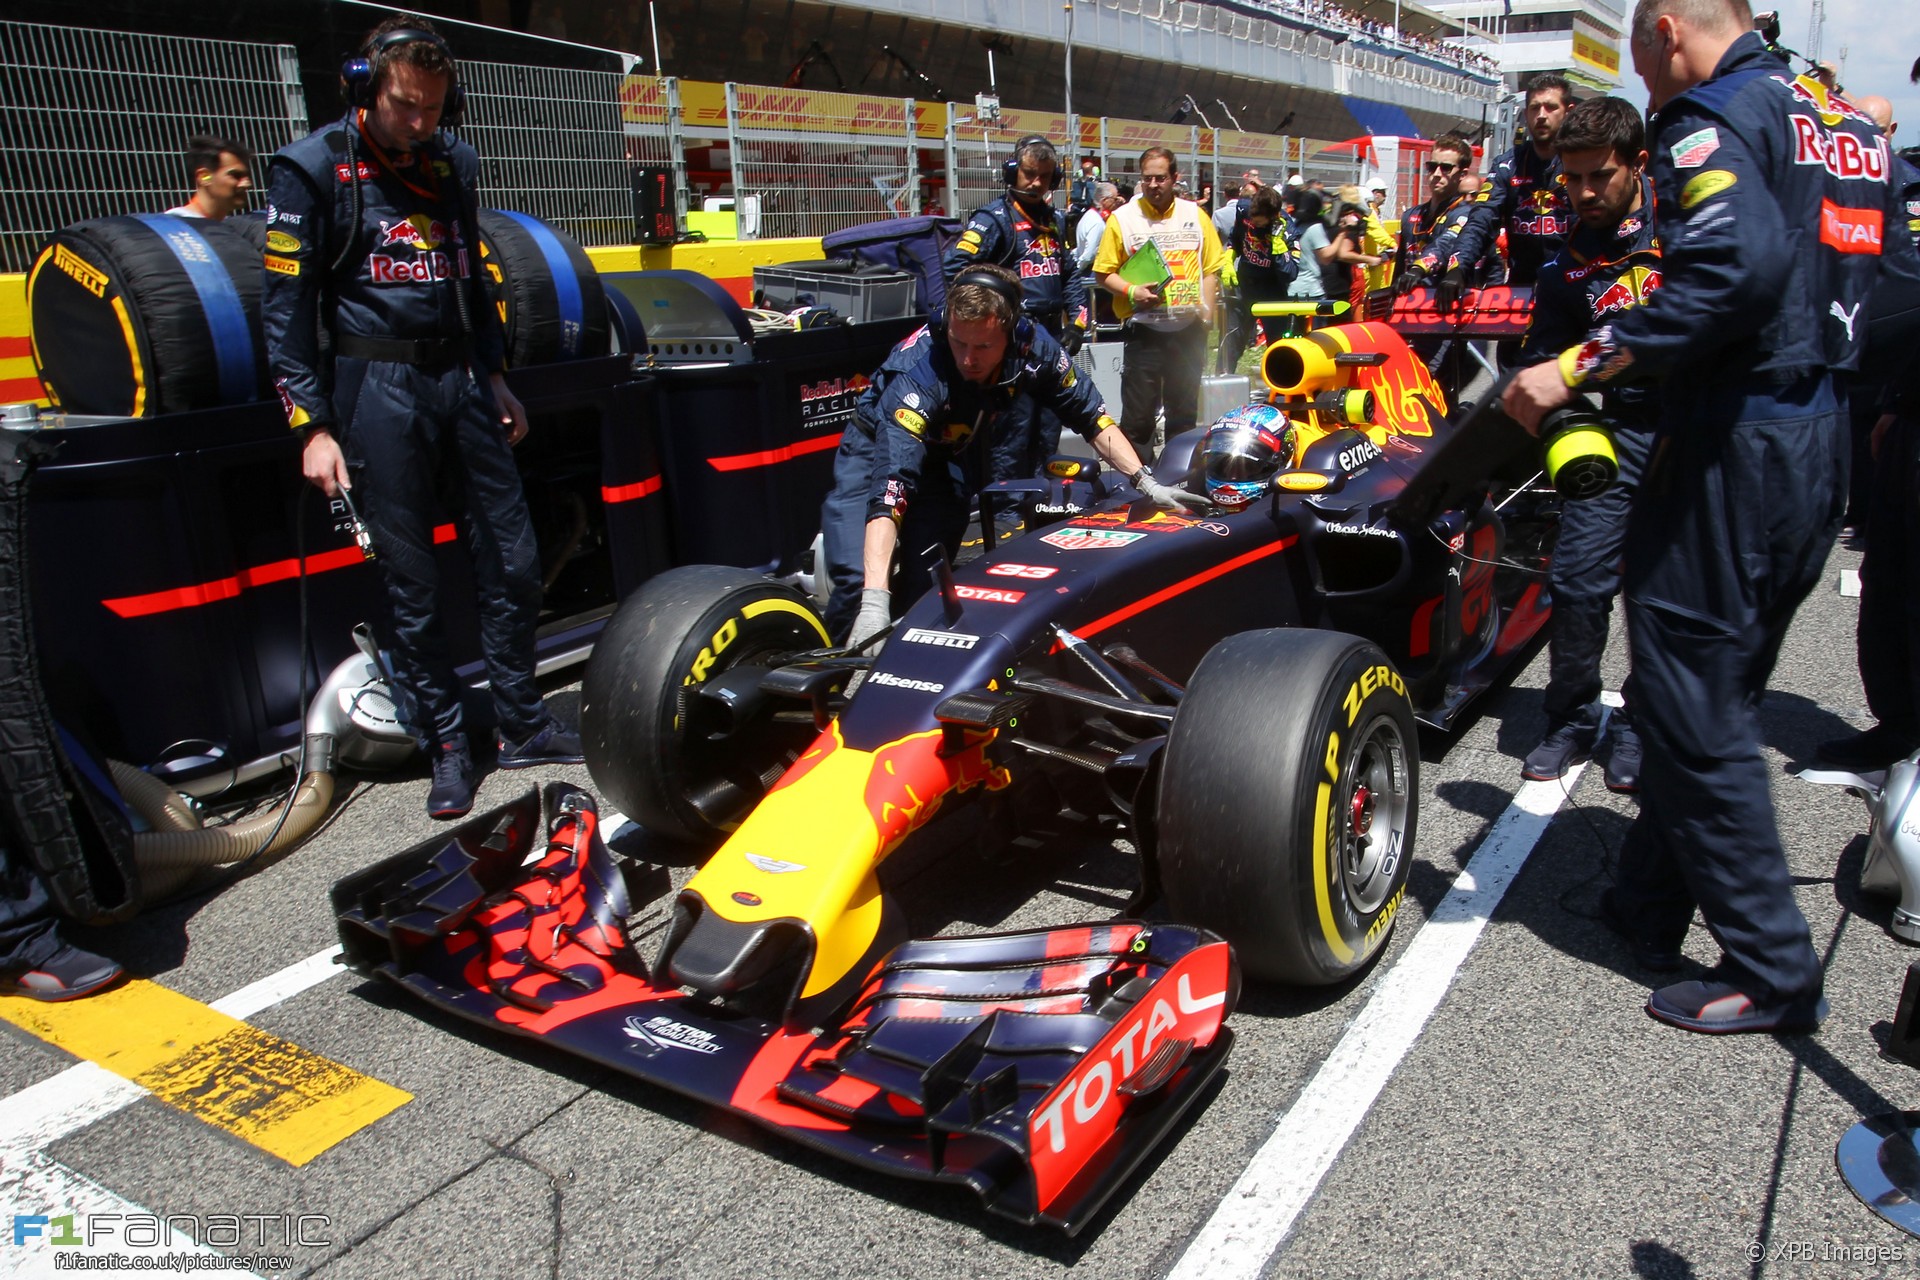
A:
(288, 1101)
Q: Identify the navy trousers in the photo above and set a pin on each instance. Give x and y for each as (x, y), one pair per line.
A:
(420, 440)
(1889, 632)
(27, 937)
(1737, 511)
(1162, 374)
(1585, 577)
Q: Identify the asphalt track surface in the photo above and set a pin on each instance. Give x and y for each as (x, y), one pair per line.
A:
(1538, 1123)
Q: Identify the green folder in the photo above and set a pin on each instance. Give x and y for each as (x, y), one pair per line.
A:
(1146, 266)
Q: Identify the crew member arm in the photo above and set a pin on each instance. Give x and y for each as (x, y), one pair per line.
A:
(489, 333)
(290, 295)
(1489, 211)
(902, 414)
(979, 242)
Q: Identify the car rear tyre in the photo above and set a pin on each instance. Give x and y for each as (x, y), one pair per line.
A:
(1287, 802)
(679, 630)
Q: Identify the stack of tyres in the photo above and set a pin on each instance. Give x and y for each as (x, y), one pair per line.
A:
(149, 314)
(545, 288)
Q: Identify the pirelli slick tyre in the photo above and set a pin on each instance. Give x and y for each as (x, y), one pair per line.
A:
(545, 287)
(150, 314)
(1287, 802)
(678, 631)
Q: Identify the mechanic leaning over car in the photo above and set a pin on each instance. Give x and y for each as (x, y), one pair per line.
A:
(1610, 262)
(1773, 198)
(1023, 232)
(918, 449)
(373, 235)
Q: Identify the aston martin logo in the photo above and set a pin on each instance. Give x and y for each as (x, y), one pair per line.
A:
(665, 1033)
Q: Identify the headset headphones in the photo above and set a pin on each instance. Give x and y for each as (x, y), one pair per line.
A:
(997, 284)
(1010, 170)
(358, 76)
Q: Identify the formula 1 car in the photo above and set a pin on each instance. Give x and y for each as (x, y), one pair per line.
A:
(1241, 688)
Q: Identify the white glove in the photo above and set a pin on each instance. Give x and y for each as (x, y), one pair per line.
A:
(876, 611)
(1163, 496)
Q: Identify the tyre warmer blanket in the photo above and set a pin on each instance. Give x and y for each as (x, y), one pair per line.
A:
(1038, 1068)
(65, 822)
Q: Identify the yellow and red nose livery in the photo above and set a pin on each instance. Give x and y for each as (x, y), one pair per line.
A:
(809, 850)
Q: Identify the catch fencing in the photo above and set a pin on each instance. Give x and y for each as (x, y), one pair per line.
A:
(95, 123)
(807, 163)
(562, 144)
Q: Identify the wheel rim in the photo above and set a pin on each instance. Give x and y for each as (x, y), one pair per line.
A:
(1370, 826)
(722, 781)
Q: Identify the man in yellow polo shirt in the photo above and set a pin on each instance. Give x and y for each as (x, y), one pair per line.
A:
(1166, 324)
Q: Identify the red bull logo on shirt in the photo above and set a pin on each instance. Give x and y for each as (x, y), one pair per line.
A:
(1630, 290)
(418, 231)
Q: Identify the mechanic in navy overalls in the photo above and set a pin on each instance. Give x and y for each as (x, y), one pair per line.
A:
(1522, 195)
(1611, 262)
(919, 446)
(1775, 210)
(371, 234)
(1023, 232)
(1887, 486)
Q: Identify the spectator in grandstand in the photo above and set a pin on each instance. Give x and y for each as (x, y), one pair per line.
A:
(373, 228)
(1093, 224)
(222, 174)
(1166, 322)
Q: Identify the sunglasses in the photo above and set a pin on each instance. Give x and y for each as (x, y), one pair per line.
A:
(1436, 166)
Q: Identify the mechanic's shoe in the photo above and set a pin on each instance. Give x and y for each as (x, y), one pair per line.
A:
(1876, 748)
(454, 779)
(1566, 745)
(1720, 1008)
(67, 974)
(1623, 758)
(554, 744)
(1652, 956)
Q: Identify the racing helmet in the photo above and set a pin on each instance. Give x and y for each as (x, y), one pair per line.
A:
(1243, 452)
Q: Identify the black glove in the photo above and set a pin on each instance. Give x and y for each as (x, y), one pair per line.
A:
(1415, 275)
(1072, 338)
(1452, 285)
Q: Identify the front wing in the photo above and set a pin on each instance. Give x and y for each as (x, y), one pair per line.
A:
(1038, 1068)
